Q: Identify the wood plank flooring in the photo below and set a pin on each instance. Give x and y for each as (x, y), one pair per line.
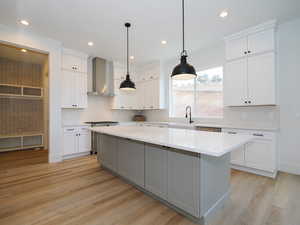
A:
(78, 191)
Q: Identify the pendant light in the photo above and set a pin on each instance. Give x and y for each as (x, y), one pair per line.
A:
(127, 84)
(183, 71)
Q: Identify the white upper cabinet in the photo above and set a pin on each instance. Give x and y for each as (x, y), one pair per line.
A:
(260, 42)
(149, 87)
(235, 83)
(261, 79)
(74, 61)
(74, 79)
(236, 48)
(255, 40)
(250, 76)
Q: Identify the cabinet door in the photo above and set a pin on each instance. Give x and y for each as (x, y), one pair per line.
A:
(156, 170)
(84, 142)
(119, 71)
(108, 151)
(260, 154)
(131, 161)
(235, 83)
(80, 90)
(238, 156)
(148, 94)
(155, 95)
(141, 95)
(236, 48)
(70, 143)
(72, 62)
(261, 79)
(67, 86)
(261, 41)
(183, 181)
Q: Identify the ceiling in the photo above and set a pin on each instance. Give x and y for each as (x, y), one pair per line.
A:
(76, 22)
(15, 53)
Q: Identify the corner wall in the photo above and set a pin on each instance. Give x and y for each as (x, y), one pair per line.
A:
(289, 93)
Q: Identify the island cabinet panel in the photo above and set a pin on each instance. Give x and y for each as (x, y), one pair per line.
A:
(108, 151)
(156, 170)
(131, 160)
(184, 181)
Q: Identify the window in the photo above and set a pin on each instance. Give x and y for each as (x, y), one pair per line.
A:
(204, 94)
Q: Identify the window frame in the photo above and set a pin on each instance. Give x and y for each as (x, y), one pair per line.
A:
(195, 97)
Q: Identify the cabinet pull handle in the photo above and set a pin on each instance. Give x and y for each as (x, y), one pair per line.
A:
(249, 102)
(249, 51)
(245, 53)
(245, 102)
(70, 129)
(231, 132)
(258, 135)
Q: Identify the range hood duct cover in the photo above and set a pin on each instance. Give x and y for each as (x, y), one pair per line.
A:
(102, 77)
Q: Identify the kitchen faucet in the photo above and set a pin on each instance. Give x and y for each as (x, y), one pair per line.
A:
(188, 108)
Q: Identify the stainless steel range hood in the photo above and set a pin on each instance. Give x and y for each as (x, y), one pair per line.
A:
(102, 77)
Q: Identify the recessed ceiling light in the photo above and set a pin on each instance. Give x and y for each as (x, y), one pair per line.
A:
(131, 57)
(24, 22)
(223, 14)
(23, 50)
(90, 43)
(163, 42)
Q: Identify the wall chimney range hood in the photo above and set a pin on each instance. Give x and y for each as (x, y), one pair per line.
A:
(102, 77)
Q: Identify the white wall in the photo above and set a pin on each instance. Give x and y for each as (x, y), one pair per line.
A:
(53, 48)
(99, 108)
(289, 93)
(255, 117)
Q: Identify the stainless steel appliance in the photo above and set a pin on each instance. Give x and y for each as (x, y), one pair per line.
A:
(98, 124)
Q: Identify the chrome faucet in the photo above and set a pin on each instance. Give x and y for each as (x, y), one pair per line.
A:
(188, 108)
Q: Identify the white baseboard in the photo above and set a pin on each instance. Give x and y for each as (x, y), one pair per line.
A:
(290, 168)
(75, 155)
(255, 171)
(54, 158)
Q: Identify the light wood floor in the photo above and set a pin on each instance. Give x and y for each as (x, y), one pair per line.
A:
(78, 191)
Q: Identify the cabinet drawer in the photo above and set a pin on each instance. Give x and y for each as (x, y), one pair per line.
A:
(70, 129)
(83, 130)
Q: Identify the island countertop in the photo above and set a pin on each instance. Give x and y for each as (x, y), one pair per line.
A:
(202, 142)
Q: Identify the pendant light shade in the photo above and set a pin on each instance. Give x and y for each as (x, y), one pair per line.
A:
(127, 84)
(183, 71)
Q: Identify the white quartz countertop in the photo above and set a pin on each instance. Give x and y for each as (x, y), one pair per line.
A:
(208, 143)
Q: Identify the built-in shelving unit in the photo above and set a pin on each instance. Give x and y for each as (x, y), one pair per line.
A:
(7, 90)
(27, 141)
(23, 100)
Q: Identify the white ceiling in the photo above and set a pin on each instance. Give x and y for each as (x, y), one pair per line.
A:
(75, 22)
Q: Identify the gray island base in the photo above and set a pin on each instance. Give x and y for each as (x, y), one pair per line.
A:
(194, 184)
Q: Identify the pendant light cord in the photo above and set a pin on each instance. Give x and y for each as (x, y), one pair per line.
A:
(127, 52)
(183, 40)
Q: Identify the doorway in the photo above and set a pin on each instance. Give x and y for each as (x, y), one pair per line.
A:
(24, 104)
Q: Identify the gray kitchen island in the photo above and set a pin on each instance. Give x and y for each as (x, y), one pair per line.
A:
(187, 170)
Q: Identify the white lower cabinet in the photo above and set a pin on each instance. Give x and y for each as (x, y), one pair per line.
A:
(156, 170)
(76, 140)
(259, 154)
(238, 156)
